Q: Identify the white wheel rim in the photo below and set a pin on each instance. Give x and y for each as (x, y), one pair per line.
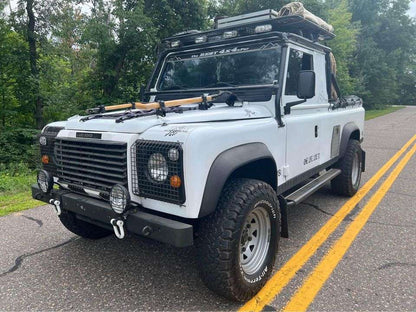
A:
(255, 240)
(355, 172)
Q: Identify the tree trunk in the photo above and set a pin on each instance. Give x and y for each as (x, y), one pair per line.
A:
(109, 89)
(3, 107)
(33, 57)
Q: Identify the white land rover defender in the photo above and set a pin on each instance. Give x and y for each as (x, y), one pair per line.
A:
(241, 123)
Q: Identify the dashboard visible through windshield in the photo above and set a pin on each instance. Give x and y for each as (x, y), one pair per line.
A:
(247, 65)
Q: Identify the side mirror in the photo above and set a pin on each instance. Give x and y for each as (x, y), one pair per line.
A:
(306, 84)
(306, 88)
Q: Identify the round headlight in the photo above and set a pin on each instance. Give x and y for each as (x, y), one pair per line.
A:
(173, 154)
(42, 140)
(45, 181)
(119, 198)
(158, 167)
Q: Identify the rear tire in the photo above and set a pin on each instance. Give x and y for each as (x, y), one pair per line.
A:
(237, 244)
(348, 182)
(82, 228)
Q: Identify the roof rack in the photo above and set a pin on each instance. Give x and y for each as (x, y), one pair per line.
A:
(260, 23)
(293, 23)
(259, 16)
(298, 24)
(186, 32)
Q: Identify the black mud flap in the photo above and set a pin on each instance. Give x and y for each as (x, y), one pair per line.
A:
(363, 161)
(284, 230)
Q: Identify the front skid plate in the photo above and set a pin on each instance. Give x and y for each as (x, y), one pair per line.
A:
(141, 223)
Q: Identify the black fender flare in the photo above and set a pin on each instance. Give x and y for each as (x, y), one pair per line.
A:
(347, 132)
(223, 166)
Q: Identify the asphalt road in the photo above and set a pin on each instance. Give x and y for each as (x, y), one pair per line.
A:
(45, 267)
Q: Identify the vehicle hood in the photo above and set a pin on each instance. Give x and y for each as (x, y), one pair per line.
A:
(141, 124)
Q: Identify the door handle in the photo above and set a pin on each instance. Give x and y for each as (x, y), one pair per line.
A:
(316, 131)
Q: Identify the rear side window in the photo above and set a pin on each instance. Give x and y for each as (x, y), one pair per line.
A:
(297, 61)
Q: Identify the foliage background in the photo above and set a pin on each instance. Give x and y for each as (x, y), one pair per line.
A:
(57, 58)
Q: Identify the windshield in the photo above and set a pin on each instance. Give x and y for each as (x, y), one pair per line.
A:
(224, 67)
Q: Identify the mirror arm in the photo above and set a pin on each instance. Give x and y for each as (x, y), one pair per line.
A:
(290, 104)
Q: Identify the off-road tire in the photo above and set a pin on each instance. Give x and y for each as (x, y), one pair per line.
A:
(220, 238)
(82, 228)
(344, 184)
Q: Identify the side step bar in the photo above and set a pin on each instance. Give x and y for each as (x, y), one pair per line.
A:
(305, 191)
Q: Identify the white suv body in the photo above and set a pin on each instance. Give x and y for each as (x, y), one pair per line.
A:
(264, 140)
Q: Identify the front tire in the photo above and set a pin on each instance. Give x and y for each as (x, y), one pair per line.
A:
(237, 244)
(348, 182)
(82, 228)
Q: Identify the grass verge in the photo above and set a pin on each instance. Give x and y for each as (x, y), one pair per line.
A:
(15, 192)
(17, 202)
(370, 114)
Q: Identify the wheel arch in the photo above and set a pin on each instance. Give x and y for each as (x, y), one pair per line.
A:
(252, 160)
(350, 131)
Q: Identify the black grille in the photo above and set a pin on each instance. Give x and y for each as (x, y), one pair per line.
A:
(93, 164)
(143, 184)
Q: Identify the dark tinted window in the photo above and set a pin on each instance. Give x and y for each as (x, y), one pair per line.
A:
(236, 66)
(297, 61)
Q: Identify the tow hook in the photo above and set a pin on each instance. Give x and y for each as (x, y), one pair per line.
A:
(57, 205)
(118, 227)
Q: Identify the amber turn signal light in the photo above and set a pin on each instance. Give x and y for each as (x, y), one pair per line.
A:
(175, 181)
(45, 159)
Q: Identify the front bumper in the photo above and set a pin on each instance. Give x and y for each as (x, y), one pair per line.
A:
(137, 222)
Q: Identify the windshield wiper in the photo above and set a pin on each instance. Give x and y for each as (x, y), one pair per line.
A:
(139, 113)
(161, 107)
(96, 116)
(91, 117)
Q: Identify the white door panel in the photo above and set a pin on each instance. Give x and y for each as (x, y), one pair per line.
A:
(303, 147)
(303, 124)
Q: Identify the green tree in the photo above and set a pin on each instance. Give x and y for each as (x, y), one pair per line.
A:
(172, 16)
(386, 50)
(344, 44)
(123, 39)
(33, 60)
(13, 74)
(124, 35)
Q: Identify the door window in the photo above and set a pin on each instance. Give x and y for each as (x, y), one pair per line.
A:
(297, 61)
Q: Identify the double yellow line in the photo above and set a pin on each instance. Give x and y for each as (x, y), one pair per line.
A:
(307, 292)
